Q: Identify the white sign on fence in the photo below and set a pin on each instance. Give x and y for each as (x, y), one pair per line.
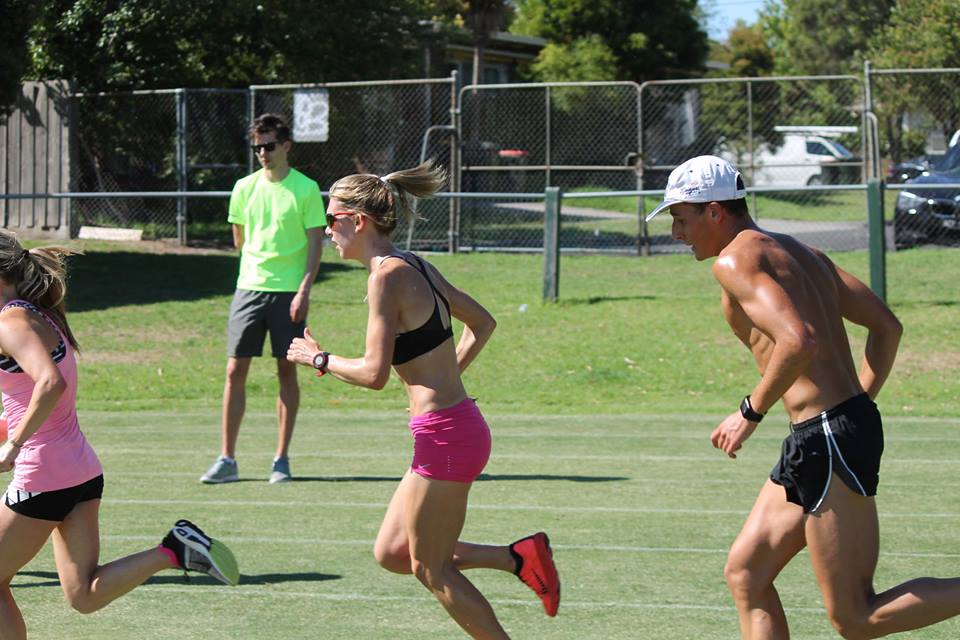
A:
(311, 115)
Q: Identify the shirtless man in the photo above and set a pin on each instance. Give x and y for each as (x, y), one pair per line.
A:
(786, 302)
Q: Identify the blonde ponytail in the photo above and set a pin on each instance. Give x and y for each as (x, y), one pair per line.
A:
(386, 198)
(39, 276)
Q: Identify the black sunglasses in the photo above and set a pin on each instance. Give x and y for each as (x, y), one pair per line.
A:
(266, 146)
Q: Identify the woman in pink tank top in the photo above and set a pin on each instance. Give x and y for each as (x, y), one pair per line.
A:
(409, 327)
(57, 480)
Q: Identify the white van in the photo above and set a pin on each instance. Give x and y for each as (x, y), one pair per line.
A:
(804, 158)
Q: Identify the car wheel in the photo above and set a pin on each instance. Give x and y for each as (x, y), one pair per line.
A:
(901, 240)
(814, 181)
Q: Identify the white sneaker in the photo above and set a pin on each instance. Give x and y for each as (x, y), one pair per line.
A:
(221, 471)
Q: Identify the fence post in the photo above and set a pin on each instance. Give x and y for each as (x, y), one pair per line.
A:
(551, 244)
(251, 114)
(181, 165)
(456, 177)
(878, 238)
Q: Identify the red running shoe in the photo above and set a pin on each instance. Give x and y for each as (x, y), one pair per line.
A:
(535, 569)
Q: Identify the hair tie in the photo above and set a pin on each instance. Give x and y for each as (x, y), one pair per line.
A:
(392, 191)
(25, 254)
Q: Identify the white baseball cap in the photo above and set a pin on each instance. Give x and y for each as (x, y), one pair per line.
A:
(702, 179)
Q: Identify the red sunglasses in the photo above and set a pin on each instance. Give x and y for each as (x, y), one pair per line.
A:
(334, 215)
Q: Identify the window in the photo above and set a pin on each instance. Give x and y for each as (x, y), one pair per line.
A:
(817, 149)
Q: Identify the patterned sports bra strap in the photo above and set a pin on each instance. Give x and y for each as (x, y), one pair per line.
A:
(26, 304)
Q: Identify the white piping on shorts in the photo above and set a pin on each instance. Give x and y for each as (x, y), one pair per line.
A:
(831, 446)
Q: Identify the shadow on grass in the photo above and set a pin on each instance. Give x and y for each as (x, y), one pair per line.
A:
(569, 302)
(101, 280)
(280, 578)
(346, 479)
(51, 579)
(484, 477)
(545, 476)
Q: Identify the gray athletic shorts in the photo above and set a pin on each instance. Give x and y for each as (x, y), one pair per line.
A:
(252, 315)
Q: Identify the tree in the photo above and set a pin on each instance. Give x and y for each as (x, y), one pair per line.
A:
(724, 116)
(748, 52)
(129, 44)
(817, 37)
(920, 34)
(644, 40)
(16, 16)
(586, 58)
(821, 37)
(484, 18)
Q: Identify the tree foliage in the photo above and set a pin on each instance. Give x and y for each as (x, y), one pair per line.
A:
(122, 44)
(644, 40)
(16, 16)
(482, 18)
(817, 37)
(748, 52)
(586, 58)
(724, 105)
(921, 34)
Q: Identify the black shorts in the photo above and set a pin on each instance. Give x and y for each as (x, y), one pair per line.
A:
(252, 314)
(53, 505)
(846, 440)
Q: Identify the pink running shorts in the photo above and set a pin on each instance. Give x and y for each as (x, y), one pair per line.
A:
(450, 444)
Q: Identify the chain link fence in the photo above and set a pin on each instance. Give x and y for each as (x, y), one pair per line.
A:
(581, 137)
(125, 142)
(372, 127)
(784, 134)
(143, 143)
(918, 129)
(799, 142)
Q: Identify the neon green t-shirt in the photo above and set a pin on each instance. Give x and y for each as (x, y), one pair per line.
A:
(275, 218)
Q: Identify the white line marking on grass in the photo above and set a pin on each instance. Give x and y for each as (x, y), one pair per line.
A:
(316, 542)
(325, 416)
(303, 504)
(147, 452)
(242, 591)
(716, 458)
(559, 434)
(492, 477)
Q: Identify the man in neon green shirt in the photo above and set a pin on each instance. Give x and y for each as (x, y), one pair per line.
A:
(278, 219)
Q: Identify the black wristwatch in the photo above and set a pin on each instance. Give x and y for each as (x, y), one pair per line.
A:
(320, 362)
(746, 410)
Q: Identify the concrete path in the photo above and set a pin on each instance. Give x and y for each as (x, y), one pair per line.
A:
(825, 235)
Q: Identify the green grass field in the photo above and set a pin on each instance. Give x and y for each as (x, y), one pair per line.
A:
(837, 206)
(601, 408)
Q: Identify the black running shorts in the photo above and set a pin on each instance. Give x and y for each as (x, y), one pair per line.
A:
(846, 440)
(53, 505)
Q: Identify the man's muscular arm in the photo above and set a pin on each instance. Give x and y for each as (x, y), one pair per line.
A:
(860, 305)
(772, 311)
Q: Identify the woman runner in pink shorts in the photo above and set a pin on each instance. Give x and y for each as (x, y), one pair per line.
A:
(409, 327)
(57, 479)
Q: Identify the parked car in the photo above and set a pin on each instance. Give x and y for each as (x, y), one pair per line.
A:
(808, 156)
(928, 215)
(913, 167)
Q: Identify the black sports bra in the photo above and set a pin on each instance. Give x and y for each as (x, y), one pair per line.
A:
(431, 333)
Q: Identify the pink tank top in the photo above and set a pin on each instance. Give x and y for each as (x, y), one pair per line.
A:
(58, 455)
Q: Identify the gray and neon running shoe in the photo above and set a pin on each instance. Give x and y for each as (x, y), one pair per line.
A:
(196, 551)
(222, 470)
(281, 471)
